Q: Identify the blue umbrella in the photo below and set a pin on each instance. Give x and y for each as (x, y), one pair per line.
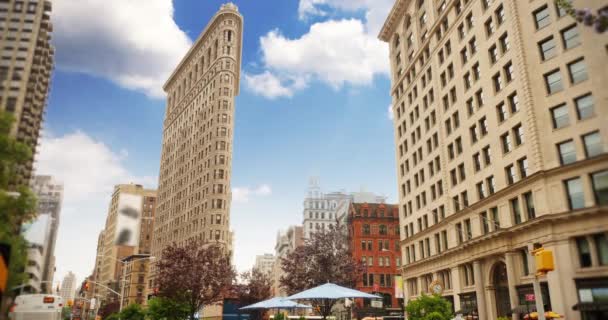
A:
(276, 303)
(330, 291)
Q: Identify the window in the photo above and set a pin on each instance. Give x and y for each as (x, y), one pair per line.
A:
(567, 152)
(501, 111)
(593, 144)
(584, 106)
(559, 115)
(518, 133)
(522, 165)
(487, 155)
(601, 246)
(548, 48)
(510, 174)
(584, 252)
(491, 184)
(529, 203)
(504, 43)
(524, 261)
(515, 210)
(481, 190)
(493, 52)
(599, 182)
(570, 37)
(506, 143)
(513, 103)
(578, 71)
(542, 17)
(485, 227)
(574, 190)
(489, 27)
(500, 14)
(553, 81)
(366, 229)
(509, 74)
(497, 80)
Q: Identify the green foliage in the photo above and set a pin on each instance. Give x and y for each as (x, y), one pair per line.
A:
(302, 318)
(66, 313)
(279, 316)
(166, 309)
(18, 258)
(429, 308)
(12, 152)
(132, 312)
(113, 316)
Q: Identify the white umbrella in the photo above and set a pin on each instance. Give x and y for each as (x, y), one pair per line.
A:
(330, 291)
(276, 303)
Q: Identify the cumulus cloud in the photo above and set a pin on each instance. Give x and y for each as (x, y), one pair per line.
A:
(376, 11)
(134, 43)
(271, 86)
(89, 169)
(337, 52)
(243, 194)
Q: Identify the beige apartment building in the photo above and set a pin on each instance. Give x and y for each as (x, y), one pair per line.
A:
(127, 232)
(136, 269)
(194, 181)
(26, 63)
(500, 114)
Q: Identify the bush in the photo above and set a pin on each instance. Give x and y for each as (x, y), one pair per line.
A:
(429, 308)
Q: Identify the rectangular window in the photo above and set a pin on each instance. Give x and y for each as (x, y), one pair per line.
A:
(524, 261)
(481, 190)
(515, 210)
(504, 43)
(529, 203)
(491, 184)
(497, 80)
(485, 227)
(599, 182)
(574, 191)
(495, 217)
(553, 81)
(510, 174)
(559, 115)
(542, 17)
(601, 247)
(570, 37)
(593, 144)
(548, 48)
(505, 140)
(518, 133)
(509, 73)
(501, 111)
(493, 52)
(578, 71)
(584, 106)
(522, 165)
(500, 14)
(513, 103)
(584, 252)
(567, 152)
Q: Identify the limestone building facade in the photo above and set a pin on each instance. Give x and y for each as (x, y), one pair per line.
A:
(500, 128)
(194, 182)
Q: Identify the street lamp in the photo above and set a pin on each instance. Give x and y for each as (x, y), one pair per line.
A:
(122, 281)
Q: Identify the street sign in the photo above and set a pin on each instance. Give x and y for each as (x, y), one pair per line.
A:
(376, 303)
(530, 297)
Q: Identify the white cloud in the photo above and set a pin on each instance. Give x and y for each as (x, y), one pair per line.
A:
(376, 11)
(134, 43)
(89, 169)
(243, 194)
(391, 116)
(336, 52)
(270, 86)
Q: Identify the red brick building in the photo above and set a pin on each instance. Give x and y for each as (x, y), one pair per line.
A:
(374, 237)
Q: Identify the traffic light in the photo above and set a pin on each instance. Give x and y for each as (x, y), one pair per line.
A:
(70, 303)
(86, 286)
(544, 260)
(5, 253)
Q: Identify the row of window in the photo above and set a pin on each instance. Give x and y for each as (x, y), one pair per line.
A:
(383, 280)
(383, 245)
(382, 229)
(382, 261)
(592, 143)
(577, 71)
(584, 109)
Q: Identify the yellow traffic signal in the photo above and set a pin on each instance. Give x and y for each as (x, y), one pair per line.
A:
(544, 260)
(70, 303)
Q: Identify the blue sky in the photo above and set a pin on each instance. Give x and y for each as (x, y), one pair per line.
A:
(309, 105)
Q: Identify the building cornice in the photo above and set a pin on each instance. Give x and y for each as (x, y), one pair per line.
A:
(392, 20)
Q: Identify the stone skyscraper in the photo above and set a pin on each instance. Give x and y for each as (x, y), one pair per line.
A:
(500, 126)
(26, 63)
(195, 168)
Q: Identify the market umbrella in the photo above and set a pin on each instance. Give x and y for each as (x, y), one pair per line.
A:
(332, 292)
(276, 303)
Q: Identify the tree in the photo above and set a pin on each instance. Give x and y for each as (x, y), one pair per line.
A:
(132, 312)
(17, 205)
(196, 274)
(325, 257)
(256, 286)
(166, 309)
(109, 308)
(428, 307)
(585, 16)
